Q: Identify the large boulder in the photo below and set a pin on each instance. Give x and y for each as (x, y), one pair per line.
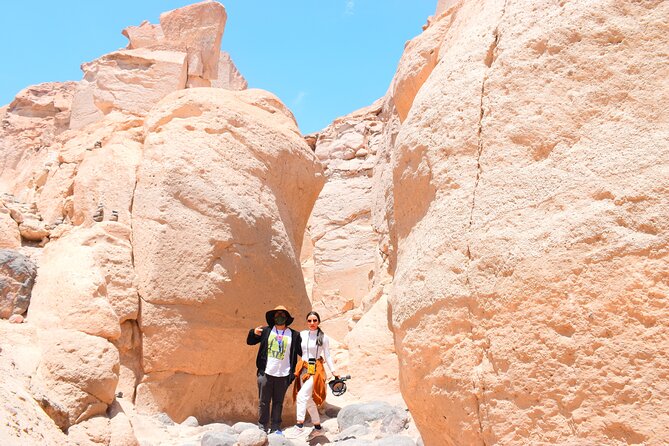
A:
(23, 421)
(183, 51)
(76, 377)
(128, 81)
(107, 177)
(216, 244)
(530, 188)
(86, 282)
(371, 356)
(381, 416)
(198, 28)
(17, 277)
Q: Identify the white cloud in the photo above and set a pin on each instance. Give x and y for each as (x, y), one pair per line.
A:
(299, 98)
(350, 7)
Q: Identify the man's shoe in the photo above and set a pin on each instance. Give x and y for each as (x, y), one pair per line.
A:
(276, 431)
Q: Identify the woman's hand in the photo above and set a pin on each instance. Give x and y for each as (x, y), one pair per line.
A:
(258, 330)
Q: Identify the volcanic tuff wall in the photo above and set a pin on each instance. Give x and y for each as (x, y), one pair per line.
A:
(502, 210)
(531, 190)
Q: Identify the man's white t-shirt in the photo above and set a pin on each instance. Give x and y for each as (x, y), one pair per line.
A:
(278, 352)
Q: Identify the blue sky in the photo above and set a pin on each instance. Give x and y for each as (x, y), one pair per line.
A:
(323, 58)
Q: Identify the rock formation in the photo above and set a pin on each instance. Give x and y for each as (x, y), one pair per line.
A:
(231, 208)
(491, 237)
(529, 192)
(340, 229)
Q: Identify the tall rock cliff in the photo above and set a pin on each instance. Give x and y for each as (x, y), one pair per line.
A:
(530, 185)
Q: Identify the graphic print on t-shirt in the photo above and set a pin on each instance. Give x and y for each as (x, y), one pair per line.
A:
(278, 345)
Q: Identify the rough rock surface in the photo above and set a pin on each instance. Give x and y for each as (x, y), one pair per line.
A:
(30, 125)
(228, 76)
(128, 81)
(344, 244)
(22, 420)
(17, 276)
(182, 52)
(530, 191)
(378, 415)
(232, 208)
(76, 377)
(86, 282)
(10, 237)
(372, 360)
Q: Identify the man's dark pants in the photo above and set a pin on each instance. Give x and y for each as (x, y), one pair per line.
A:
(271, 388)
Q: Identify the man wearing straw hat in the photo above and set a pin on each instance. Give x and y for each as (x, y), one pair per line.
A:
(276, 360)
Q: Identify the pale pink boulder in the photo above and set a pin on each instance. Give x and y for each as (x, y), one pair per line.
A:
(86, 282)
(76, 377)
(198, 28)
(342, 240)
(231, 208)
(107, 177)
(129, 81)
(144, 35)
(10, 237)
(85, 293)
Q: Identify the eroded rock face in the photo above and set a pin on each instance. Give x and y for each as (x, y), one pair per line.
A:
(229, 76)
(344, 243)
(29, 127)
(10, 237)
(23, 421)
(128, 81)
(182, 52)
(86, 306)
(76, 377)
(231, 208)
(85, 282)
(530, 185)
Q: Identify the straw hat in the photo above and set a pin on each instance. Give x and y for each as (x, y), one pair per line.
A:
(269, 316)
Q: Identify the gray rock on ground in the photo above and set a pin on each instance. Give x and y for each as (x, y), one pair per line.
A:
(351, 432)
(354, 442)
(191, 422)
(392, 419)
(218, 439)
(165, 419)
(252, 437)
(395, 440)
(221, 428)
(17, 276)
(279, 440)
(241, 426)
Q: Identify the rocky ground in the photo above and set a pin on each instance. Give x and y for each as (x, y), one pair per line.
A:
(346, 420)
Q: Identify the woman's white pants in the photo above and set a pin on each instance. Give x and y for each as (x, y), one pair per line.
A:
(305, 401)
